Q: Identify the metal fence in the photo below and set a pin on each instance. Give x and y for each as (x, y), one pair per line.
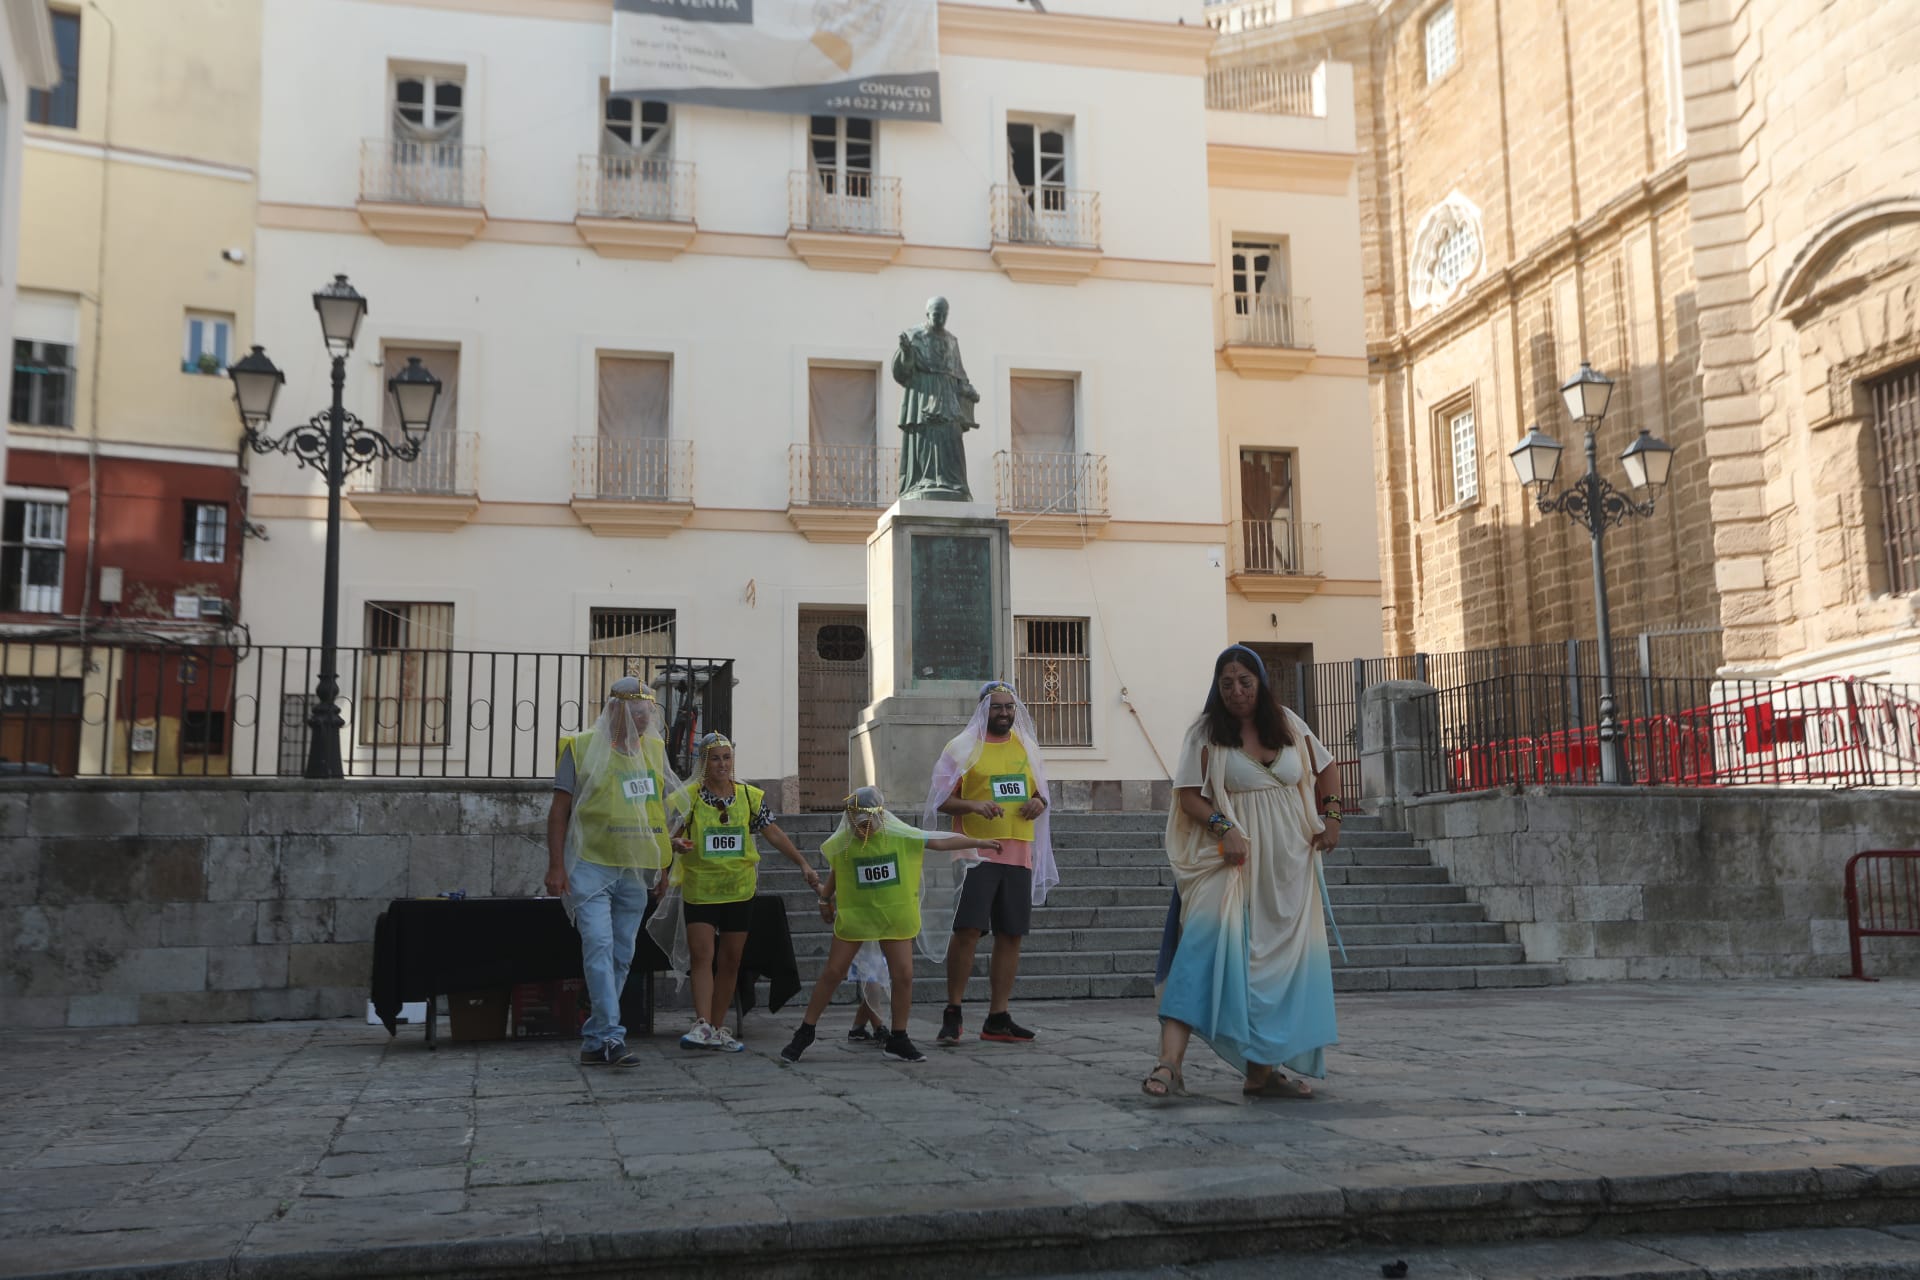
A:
(1530, 730)
(111, 710)
(644, 189)
(1046, 215)
(407, 171)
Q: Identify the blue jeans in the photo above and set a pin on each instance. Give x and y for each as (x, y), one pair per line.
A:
(607, 906)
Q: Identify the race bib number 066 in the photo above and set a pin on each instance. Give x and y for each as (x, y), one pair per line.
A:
(877, 874)
(728, 842)
(1009, 786)
(638, 788)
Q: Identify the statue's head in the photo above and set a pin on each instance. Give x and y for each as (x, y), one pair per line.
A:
(937, 312)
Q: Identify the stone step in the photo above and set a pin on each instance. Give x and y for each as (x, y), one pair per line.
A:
(1417, 933)
(1362, 875)
(1448, 978)
(1070, 837)
(1429, 955)
(1383, 894)
(1054, 916)
(1408, 913)
(1376, 856)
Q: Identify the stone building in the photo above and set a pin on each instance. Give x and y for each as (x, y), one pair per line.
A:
(1727, 233)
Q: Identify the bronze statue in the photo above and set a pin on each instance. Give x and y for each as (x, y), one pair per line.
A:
(937, 407)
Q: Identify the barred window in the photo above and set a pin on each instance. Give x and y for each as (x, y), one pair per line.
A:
(203, 533)
(33, 555)
(626, 642)
(1054, 677)
(1443, 42)
(1896, 429)
(403, 674)
(1466, 457)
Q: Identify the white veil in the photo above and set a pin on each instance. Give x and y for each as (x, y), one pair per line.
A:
(868, 802)
(621, 783)
(960, 755)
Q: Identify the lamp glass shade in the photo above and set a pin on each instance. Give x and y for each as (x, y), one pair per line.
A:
(1647, 461)
(415, 392)
(341, 309)
(1536, 459)
(256, 385)
(1587, 394)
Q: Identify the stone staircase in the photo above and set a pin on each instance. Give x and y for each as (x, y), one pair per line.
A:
(1406, 927)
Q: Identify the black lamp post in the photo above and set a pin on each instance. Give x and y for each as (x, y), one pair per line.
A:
(1594, 504)
(333, 443)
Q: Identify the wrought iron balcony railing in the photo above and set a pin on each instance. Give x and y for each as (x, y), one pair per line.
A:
(448, 464)
(1046, 215)
(1278, 545)
(842, 200)
(631, 187)
(1274, 91)
(1051, 483)
(633, 470)
(402, 171)
(1269, 320)
(842, 475)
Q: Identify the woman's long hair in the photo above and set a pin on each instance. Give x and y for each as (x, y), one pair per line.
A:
(1222, 729)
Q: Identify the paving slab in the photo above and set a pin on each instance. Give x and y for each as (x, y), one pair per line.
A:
(1446, 1117)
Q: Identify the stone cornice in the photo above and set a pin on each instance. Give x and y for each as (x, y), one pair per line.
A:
(634, 237)
(1320, 173)
(842, 250)
(1021, 34)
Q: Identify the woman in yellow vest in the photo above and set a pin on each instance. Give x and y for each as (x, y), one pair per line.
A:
(873, 894)
(718, 823)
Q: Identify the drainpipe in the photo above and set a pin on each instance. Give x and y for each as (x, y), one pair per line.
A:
(99, 314)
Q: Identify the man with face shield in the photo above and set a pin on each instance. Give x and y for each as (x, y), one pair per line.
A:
(606, 843)
(873, 894)
(993, 783)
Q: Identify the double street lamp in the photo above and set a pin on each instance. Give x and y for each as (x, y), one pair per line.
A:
(333, 443)
(1594, 504)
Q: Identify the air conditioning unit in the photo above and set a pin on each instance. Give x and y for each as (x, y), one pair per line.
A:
(214, 609)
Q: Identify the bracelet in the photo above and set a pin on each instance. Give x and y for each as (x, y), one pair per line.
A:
(1332, 808)
(1219, 824)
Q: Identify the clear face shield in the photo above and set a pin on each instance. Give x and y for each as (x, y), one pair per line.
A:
(621, 785)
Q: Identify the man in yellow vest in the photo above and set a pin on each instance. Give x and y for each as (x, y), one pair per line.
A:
(607, 840)
(993, 783)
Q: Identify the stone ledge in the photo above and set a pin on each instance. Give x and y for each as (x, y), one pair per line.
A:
(613, 518)
(414, 512)
(1055, 529)
(433, 225)
(844, 251)
(1044, 263)
(635, 237)
(1277, 588)
(1267, 362)
(835, 524)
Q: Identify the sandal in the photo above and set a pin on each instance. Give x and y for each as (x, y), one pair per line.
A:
(1163, 1081)
(1277, 1085)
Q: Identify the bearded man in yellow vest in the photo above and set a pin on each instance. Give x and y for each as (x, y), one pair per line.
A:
(992, 782)
(607, 840)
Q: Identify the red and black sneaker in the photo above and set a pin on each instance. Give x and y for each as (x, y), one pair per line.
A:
(949, 1026)
(1002, 1027)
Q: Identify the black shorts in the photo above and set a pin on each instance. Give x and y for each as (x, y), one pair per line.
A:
(725, 917)
(996, 898)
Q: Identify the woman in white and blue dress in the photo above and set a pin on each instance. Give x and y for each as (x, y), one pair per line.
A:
(1255, 802)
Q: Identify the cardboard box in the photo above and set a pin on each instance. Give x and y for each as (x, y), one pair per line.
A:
(542, 1009)
(477, 1015)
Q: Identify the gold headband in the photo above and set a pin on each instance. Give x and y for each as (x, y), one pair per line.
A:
(645, 695)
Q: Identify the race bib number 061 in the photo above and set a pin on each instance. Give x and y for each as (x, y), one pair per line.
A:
(1009, 786)
(638, 788)
(877, 874)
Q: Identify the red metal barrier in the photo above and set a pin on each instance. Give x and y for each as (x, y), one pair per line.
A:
(1882, 902)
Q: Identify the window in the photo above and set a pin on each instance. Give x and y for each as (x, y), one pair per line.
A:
(60, 105)
(632, 459)
(636, 128)
(1043, 474)
(840, 642)
(625, 642)
(1896, 429)
(33, 554)
(439, 468)
(428, 106)
(1269, 539)
(1458, 253)
(203, 733)
(1261, 305)
(42, 384)
(1459, 453)
(203, 535)
(1443, 42)
(1037, 162)
(425, 162)
(403, 674)
(209, 339)
(843, 411)
(1054, 678)
(840, 155)
(1446, 252)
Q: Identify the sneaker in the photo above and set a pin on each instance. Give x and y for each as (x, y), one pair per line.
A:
(860, 1035)
(724, 1041)
(880, 1034)
(615, 1053)
(1002, 1027)
(798, 1045)
(700, 1037)
(594, 1057)
(949, 1026)
(901, 1049)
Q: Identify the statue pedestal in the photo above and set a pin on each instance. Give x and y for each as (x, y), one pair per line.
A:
(939, 623)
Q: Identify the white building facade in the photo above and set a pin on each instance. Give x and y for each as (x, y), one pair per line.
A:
(30, 75)
(668, 423)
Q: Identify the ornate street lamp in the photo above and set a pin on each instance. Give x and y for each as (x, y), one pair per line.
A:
(333, 443)
(1594, 504)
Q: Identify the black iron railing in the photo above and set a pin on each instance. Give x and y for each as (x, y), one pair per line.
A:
(172, 710)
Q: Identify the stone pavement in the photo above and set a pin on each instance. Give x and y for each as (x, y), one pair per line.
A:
(327, 1149)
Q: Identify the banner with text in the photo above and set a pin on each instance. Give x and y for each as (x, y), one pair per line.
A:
(877, 58)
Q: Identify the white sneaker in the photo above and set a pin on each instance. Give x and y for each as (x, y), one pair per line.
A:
(723, 1041)
(702, 1036)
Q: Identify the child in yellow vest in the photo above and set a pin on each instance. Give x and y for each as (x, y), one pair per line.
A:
(873, 894)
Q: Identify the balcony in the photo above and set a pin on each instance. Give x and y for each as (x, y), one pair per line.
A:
(1265, 90)
(1268, 336)
(1276, 560)
(628, 207)
(632, 488)
(1046, 235)
(843, 220)
(835, 492)
(435, 493)
(425, 193)
(1051, 499)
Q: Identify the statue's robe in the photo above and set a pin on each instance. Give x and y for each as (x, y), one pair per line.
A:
(933, 413)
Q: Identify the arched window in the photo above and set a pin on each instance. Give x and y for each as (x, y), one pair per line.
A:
(1446, 252)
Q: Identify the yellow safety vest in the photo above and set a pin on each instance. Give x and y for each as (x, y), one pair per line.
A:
(723, 864)
(1001, 775)
(876, 885)
(622, 815)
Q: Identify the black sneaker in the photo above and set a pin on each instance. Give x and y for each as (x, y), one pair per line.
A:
(593, 1057)
(1002, 1027)
(901, 1049)
(860, 1035)
(949, 1026)
(880, 1033)
(798, 1045)
(616, 1054)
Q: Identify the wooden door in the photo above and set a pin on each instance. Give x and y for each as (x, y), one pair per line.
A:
(833, 688)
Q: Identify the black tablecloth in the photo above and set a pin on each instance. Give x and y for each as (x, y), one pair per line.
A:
(428, 947)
